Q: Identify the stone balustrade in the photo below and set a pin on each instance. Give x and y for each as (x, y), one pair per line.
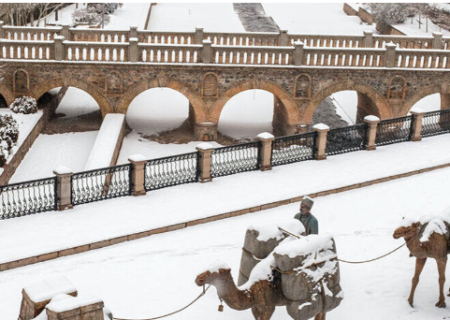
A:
(332, 57)
(328, 41)
(95, 51)
(252, 55)
(170, 53)
(99, 35)
(174, 38)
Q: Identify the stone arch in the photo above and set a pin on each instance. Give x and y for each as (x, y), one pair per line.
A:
(114, 83)
(422, 93)
(92, 90)
(7, 94)
(397, 88)
(210, 85)
(302, 86)
(198, 106)
(380, 104)
(21, 85)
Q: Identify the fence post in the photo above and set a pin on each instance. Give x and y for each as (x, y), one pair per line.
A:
(437, 40)
(59, 48)
(265, 151)
(205, 151)
(65, 32)
(389, 59)
(371, 135)
(133, 32)
(137, 174)
(321, 140)
(416, 125)
(206, 51)
(133, 50)
(1, 30)
(283, 39)
(63, 188)
(298, 53)
(198, 35)
(368, 39)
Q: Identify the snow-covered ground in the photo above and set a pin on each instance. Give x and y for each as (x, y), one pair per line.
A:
(75, 102)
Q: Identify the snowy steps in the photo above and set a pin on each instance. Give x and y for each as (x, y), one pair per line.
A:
(108, 242)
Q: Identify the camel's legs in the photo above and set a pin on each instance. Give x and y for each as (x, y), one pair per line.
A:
(255, 313)
(263, 313)
(441, 269)
(420, 263)
(320, 316)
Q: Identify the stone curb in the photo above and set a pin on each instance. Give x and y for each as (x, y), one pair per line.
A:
(109, 242)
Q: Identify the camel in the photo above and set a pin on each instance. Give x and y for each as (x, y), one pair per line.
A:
(262, 297)
(435, 247)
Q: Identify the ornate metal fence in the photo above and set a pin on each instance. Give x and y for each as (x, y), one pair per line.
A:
(435, 122)
(347, 139)
(293, 148)
(235, 159)
(171, 171)
(393, 131)
(26, 198)
(101, 184)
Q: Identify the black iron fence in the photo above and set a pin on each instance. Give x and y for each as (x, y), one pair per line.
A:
(435, 122)
(393, 131)
(235, 159)
(26, 198)
(171, 171)
(291, 149)
(347, 139)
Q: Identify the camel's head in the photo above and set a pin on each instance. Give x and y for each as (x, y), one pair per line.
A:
(407, 231)
(214, 274)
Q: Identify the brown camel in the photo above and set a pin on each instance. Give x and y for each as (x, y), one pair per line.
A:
(262, 297)
(435, 247)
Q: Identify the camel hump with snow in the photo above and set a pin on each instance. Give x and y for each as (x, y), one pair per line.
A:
(427, 238)
(281, 270)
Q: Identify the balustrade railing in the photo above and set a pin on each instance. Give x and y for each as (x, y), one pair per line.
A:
(161, 37)
(235, 159)
(328, 41)
(404, 42)
(29, 50)
(101, 184)
(26, 198)
(293, 148)
(171, 171)
(252, 55)
(170, 53)
(430, 59)
(30, 33)
(97, 52)
(393, 130)
(243, 39)
(89, 35)
(346, 139)
(344, 58)
(435, 123)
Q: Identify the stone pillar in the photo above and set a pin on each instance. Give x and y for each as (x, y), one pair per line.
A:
(283, 39)
(389, 60)
(59, 48)
(298, 53)
(437, 40)
(87, 311)
(204, 161)
(321, 140)
(65, 32)
(1, 30)
(63, 188)
(265, 151)
(133, 32)
(371, 134)
(205, 131)
(416, 125)
(133, 50)
(206, 52)
(138, 174)
(198, 35)
(368, 39)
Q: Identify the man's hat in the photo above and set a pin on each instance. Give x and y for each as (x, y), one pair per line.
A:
(308, 202)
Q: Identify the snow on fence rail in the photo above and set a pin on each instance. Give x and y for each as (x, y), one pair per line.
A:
(41, 195)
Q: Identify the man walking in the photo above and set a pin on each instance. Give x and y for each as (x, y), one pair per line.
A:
(306, 218)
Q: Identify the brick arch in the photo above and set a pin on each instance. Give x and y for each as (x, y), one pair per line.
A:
(377, 98)
(95, 92)
(199, 108)
(422, 93)
(288, 104)
(7, 94)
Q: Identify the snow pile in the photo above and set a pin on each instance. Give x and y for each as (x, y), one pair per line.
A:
(272, 230)
(49, 288)
(9, 134)
(216, 266)
(63, 302)
(106, 141)
(25, 105)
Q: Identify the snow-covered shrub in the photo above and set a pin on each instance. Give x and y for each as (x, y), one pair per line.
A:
(389, 13)
(25, 105)
(9, 134)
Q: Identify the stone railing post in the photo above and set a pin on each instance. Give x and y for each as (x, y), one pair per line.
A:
(137, 174)
(133, 32)
(283, 39)
(65, 32)
(59, 48)
(298, 53)
(416, 125)
(205, 151)
(63, 188)
(1, 30)
(65, 310)
(265, 151)
(389, 59)
(206, 51)
(198, 35)
(321, 140)
(368, 39)
(371, 134)
(133, 50)
(437, 40)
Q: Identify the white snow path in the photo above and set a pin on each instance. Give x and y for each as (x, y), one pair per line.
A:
(122, 216)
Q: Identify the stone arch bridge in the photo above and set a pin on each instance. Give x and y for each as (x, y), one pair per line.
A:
(389, 73)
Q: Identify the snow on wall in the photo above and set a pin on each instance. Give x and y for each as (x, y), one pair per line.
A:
(48, 288)
(271, 231)
(106, 141)
(63, 302)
